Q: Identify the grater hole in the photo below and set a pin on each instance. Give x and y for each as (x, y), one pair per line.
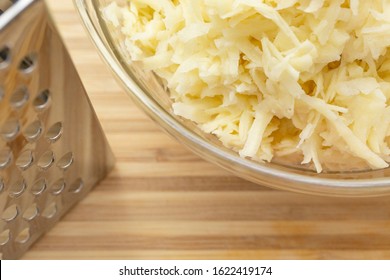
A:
(5, 158)
(66, 161)
(25, 160)
(10, 213)
(46, 160)
(58, 187)
(5, 56)
(50, 211)
(54, 133)
(33, 131)
(19, 98)
(42, 101)
(28, 63)
(17, 188)
(31, 212)
(23, 236)
(10, 130)
(39, 187)
(5, 237)
(76, 186)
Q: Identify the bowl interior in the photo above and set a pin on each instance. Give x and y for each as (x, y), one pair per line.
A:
(150, 94)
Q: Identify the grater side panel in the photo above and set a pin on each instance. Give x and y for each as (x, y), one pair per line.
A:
(59, 151)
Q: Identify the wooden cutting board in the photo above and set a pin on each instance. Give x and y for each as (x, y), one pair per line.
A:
(163, 202)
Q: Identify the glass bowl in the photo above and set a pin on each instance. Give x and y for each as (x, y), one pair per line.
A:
(148, 93)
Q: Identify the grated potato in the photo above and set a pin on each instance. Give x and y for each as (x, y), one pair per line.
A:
(273, 79)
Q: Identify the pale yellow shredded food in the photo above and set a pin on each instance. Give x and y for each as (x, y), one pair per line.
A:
(306, 79)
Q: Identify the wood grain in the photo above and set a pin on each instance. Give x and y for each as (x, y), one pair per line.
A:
(162, 202)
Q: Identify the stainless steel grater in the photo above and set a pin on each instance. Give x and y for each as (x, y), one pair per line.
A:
(52, 148)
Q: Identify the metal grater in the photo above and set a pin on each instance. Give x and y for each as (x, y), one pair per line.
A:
(52, 148)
